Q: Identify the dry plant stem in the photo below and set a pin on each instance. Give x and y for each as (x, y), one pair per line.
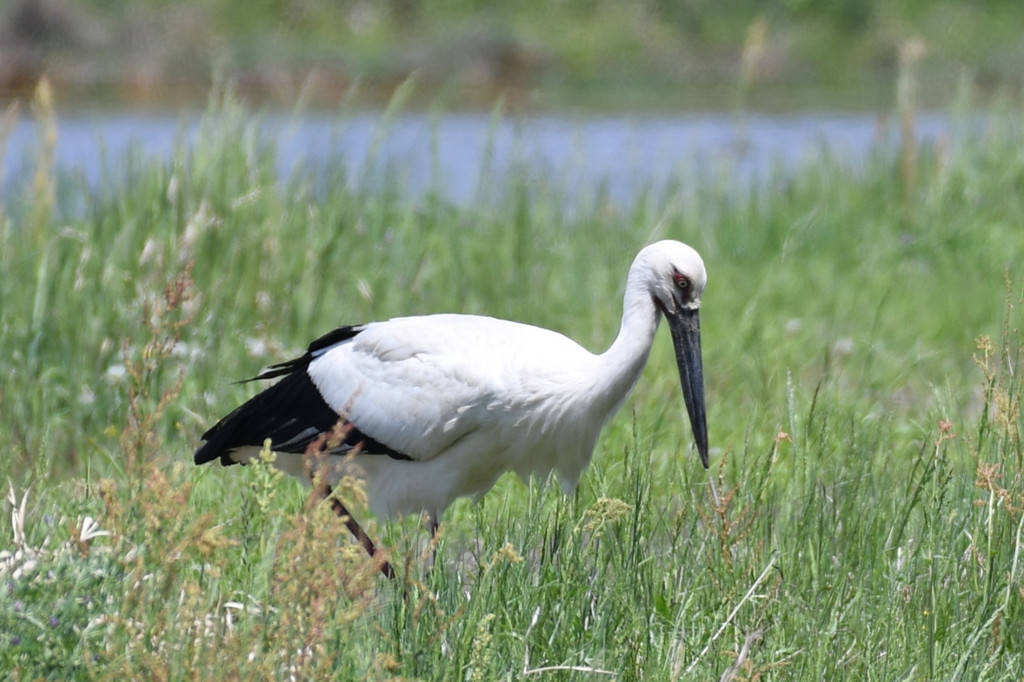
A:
(732, 614)
(714, 490)
(571, 668)
(358, 532)
(734, 670)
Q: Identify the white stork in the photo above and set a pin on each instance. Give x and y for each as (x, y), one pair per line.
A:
(440, 406)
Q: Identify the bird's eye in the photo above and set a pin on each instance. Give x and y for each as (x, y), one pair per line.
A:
(681, 280)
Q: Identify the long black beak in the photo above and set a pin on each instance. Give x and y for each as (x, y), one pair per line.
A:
(685, 327)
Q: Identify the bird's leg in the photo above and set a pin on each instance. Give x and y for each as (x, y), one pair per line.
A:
(321, 448)
(433, 525)
(358, 532)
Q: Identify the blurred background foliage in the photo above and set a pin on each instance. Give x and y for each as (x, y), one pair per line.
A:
(606, 53)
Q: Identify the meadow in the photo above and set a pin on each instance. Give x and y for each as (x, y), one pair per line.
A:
(862, 341)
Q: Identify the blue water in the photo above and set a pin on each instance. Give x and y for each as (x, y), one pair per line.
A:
(618, 156)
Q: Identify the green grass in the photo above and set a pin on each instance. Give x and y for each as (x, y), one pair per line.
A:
(665, 54)
(862, 345)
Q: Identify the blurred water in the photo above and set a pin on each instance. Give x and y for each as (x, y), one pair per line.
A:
(463, 156)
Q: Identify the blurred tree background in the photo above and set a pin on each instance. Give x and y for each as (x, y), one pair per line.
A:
(606, 53)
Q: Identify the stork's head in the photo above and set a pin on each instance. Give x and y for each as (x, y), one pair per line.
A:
(676, 280)
(676, 275)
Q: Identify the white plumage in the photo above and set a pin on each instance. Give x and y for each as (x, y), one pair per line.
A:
(441, 405)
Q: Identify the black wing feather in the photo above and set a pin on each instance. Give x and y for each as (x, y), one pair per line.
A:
(316, 348)
(291, 413)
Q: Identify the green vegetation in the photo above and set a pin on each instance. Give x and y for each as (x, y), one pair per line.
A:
(691, 54)
(862, 350)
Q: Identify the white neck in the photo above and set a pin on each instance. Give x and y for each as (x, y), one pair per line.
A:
(622, 364)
